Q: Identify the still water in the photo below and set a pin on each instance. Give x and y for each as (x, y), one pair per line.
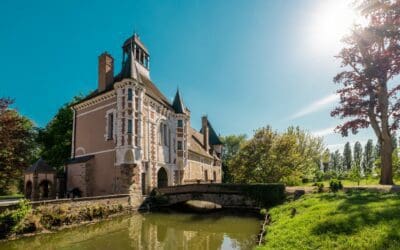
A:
(152, 231)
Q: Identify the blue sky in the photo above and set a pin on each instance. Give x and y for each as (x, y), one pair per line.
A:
(245, 64)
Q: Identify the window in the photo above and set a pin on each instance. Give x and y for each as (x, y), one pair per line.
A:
(165, 135)
(215, 176)
(179, 145)
(129, 126)
(161, 134)
(110, 126)
(205, 175)
(130, 94)
(180, 124)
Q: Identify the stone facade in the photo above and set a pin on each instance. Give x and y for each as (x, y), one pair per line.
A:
(129, 138)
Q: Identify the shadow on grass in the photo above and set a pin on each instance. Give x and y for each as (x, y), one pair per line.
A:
(357, 210)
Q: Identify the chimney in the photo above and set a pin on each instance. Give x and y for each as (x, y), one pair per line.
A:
(106, 71)
(204, 128)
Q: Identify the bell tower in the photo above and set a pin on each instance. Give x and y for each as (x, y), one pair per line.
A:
(135, 54)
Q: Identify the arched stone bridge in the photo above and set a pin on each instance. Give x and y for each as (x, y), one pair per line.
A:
(226, 195)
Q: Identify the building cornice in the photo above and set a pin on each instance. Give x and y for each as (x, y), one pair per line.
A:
(95, 100)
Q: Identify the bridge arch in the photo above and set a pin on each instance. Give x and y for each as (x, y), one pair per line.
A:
(226, 195)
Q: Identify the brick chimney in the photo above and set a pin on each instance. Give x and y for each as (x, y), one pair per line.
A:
(204, 128)
(106, 71)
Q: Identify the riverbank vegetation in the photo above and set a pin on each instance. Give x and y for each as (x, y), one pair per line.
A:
(354, 220)
(24, 219)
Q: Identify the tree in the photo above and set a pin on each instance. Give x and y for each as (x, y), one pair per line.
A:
(55, 138)
(357, 155)
(326, 160)
(368, 158)
(273, 157)
(17, 148)
(337, 162)
(232, 144)
(347, 159)
(371, 59)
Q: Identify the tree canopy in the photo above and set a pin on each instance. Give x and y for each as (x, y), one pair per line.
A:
(370, 59)
(17, 146)
(273, 157)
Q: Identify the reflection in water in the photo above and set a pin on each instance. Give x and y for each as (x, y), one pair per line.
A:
(151, 231)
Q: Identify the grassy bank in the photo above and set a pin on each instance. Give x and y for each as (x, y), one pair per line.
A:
(348, 182)
(11, 197)
(357, 220)
(23, 219)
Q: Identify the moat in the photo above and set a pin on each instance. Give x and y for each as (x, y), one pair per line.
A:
(217, 230)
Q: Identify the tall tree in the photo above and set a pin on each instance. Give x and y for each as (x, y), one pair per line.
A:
(347, 158)
(273, 157)
(232, 144)
(368, 158)
(370, 59)
(357, 155)
(326, 160)
(17, 148)
(337, 162)
(55, 138)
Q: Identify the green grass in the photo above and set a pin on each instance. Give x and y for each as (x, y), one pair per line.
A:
(346, 182)
(357, 220)
(12, 196)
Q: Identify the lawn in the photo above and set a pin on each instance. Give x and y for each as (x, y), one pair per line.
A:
(357, 220)
(10, 197)
(347, 182)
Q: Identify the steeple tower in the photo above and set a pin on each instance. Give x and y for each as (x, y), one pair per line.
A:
(135, 59)
(177, 104)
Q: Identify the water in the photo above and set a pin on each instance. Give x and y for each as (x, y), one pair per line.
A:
(152, 231)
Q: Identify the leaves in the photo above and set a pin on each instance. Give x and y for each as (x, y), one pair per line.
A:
(17, 147)
(273, 157)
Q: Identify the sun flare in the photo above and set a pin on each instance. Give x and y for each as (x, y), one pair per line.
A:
(331, 20)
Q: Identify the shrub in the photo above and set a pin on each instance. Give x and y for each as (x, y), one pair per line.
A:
(10, 219)
(266, 195)
(335, 185)
(320, 186)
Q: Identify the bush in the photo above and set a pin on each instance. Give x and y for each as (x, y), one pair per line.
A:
(10, 220)
(335, 185)
(266, 195)
(320, 186)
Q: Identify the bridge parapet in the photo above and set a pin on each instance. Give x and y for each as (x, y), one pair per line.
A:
(227, 195)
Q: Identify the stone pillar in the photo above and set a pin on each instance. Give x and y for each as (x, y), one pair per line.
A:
(35, 188)
(130, 183)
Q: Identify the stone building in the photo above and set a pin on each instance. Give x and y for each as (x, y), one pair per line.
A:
(129, 138)
(40, 181)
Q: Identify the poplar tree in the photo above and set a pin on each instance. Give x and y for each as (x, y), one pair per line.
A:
(347, 159)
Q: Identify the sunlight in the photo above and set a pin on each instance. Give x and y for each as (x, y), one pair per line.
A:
(330, 21)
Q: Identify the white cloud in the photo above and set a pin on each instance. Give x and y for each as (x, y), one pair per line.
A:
(323, 132)
(316, 106)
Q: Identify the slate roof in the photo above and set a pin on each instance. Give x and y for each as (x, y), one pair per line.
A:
(40, 167)
(136, 39)
(177, 104)
(80, 159)
(196, 143)
(213, 138)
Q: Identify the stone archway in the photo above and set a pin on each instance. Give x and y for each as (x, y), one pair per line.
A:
(162, 178)
(28, 189)
(44, 189)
